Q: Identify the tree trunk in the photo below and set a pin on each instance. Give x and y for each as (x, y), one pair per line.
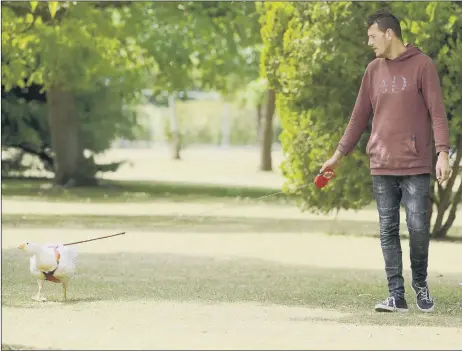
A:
(176, 142)
(259, 118)
(443, 231)
(267, 134)
(69, 165)
(225, 126)
(442, 207)
(446, 200)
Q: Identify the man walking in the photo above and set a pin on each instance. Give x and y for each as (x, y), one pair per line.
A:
(402, 89)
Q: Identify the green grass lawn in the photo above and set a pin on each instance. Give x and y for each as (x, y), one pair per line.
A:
(148, 192)
(206, 224)
(8, 347)
(143, 276)
(140, 276)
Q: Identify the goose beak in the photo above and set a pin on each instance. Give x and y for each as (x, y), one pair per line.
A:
(21, 247)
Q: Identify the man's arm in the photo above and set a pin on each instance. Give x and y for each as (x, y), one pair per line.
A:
(356, 126)
(431, 92)
(359, 118)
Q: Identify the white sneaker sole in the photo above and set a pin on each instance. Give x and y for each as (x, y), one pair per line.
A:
(428, 310)
(383, 308)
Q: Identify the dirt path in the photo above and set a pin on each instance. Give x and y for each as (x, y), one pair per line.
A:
(175, 325)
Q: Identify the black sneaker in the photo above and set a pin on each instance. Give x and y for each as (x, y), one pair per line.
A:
(392, 304)
(425, 302)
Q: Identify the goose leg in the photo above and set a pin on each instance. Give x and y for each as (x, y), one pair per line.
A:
(39, 297)
(65, 290)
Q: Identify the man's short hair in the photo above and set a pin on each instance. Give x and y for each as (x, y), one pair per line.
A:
(385, 20)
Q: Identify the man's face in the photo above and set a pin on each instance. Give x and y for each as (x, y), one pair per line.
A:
(379, 41)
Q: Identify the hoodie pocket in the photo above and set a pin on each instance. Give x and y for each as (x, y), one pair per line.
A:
(373, 139)
(413, 144)
(393, 150)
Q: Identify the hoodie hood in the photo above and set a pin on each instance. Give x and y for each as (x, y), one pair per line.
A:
(411, 50)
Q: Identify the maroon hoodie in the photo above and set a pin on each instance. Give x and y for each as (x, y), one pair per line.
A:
(405, 97)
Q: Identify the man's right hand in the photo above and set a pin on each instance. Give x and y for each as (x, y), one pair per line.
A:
(333, 162)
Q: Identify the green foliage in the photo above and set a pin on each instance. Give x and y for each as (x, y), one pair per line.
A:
(253, 94)
(29, 123)
(24, 128)
(197, 44)
(315, 55)
(72, 51)
(226, 44)
(316, 64)
(104, 117)
(180, 44)
(274, 21)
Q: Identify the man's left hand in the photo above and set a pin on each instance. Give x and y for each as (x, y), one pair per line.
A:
(443, 171)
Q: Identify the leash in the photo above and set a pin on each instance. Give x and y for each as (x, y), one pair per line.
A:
(320, 181)
(98, 238)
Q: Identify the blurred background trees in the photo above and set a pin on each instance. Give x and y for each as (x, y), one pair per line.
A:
(81, 77)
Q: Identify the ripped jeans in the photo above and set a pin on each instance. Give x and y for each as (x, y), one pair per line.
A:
(414, 192)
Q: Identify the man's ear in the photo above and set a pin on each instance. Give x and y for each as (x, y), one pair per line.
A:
(389, 34)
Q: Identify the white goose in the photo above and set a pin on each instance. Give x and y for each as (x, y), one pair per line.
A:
(53, 262)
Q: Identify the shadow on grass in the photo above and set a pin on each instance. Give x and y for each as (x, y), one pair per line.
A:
(208, 224)
(140, 276)
(74, 300)
(130, 191)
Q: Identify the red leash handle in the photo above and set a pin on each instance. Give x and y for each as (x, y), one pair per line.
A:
(323, 178)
